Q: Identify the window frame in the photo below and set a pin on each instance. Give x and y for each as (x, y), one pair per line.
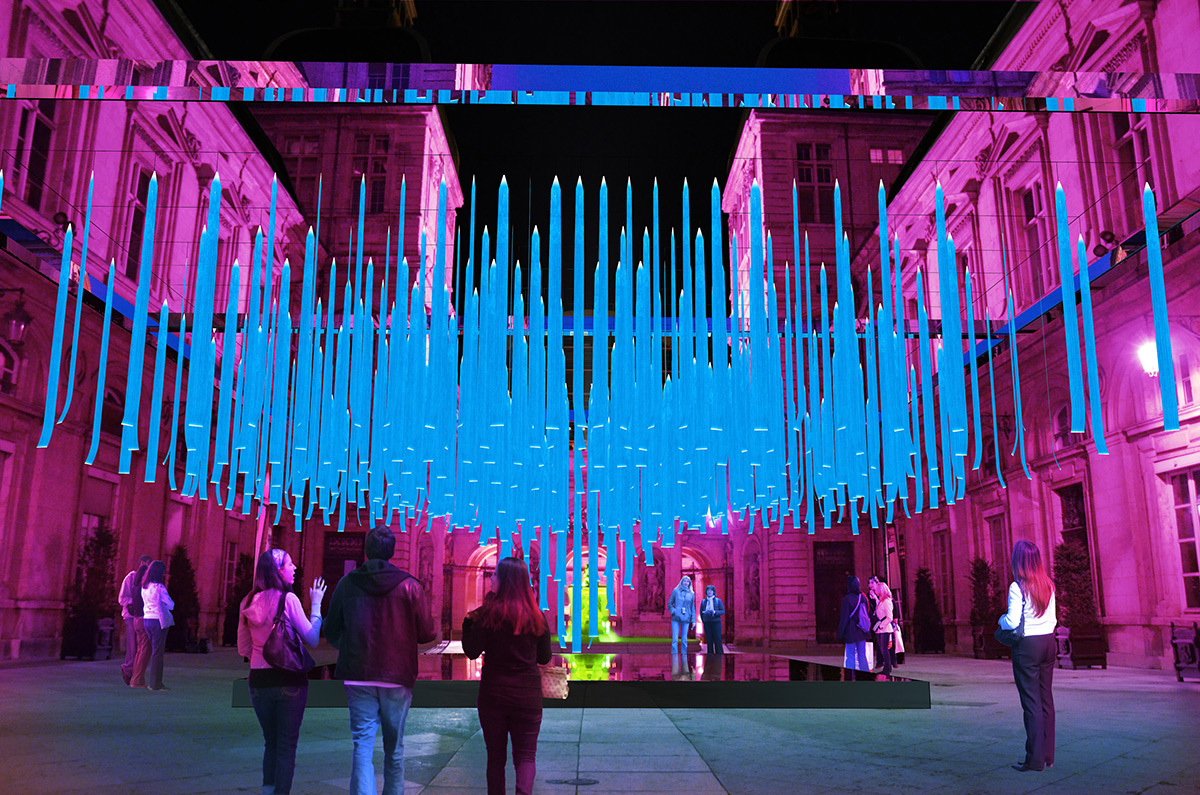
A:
(1189, 477)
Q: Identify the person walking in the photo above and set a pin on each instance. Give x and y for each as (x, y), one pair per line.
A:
(157, 606)
(682, 606)
(885, 626)
(854, 626)
(1031, 601)
(278, 696)
(513, 636)
(131, 589)
(377, 616)
(711, 610)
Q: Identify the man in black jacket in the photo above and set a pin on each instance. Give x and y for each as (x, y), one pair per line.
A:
(377, 617)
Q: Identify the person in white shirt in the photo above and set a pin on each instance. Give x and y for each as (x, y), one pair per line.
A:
(279, 696)
(1031, 602)
(885, 625)
(156, 606)
(125, 598)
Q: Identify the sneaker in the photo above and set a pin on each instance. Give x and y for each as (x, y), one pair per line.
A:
(157, 689)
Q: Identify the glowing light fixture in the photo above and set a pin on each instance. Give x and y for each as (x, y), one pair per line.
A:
(1148, 356)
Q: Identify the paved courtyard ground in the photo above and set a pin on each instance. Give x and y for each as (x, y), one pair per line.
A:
(73, 727)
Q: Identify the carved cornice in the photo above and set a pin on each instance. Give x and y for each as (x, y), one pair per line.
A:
(1124, 53)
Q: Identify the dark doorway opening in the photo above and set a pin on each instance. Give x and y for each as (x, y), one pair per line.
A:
(833, 562)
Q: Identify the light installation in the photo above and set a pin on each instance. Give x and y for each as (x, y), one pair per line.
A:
(374, 409)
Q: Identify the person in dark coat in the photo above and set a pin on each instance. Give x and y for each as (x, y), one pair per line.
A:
(513, 636)
(854, 627)
(378, 615)
(711, 610)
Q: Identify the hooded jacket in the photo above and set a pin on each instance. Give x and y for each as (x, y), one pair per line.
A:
(848, 630)
(258, 619)
(377, 617)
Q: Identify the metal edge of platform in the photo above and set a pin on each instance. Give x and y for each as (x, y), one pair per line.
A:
(907, 694)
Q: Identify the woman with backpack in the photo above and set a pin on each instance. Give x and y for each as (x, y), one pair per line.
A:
(279, 696)
(156, 606)
(854, 627)
(513, 636)
(1031, 608)
(137, 609)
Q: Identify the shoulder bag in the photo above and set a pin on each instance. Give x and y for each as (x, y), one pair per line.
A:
(284, 648)
(554, 681)
(1011, 637)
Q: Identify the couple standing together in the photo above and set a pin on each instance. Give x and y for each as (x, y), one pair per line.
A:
(682, 606)
(378, 615)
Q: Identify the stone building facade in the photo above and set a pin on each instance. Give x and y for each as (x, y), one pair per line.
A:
(1135, 509)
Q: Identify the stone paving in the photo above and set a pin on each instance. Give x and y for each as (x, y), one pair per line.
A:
(73, 727)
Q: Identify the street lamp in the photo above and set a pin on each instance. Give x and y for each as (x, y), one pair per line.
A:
(15, 321)
(1148, 356)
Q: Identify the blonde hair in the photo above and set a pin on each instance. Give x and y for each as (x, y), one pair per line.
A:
(883, 590)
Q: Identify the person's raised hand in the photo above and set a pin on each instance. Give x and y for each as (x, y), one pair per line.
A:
(317, 591)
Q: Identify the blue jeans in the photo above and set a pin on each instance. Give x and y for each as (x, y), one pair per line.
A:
(856, 656)
(372, 708)
(280, 711)
(679, 631)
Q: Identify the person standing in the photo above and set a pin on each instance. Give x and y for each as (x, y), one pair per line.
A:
(278, 696)
(377, 616)
(157, 606)
(1031, 600)
(854, 626)
(682, 606)
(711, 610)
(130, 588)
(885, 627)
(513, 636)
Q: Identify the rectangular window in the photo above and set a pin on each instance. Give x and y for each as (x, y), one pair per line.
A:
(944, 572)
(876, 155)
(895, 157)
(370, 163)
(814, 183)
(1001, 549)
(376, 75)
(1132, 149)
(32, 158)
(1184, 488)
(139, 191)
(1034, 259)
(1187, 392)
(228, 572)
(303, 165)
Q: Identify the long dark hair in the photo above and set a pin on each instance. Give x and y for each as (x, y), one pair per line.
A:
(155, 572)
(138, 608)
(266, 575)
(513, 603)
(1029, 571)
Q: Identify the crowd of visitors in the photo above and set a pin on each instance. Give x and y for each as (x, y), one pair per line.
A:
(379, 615)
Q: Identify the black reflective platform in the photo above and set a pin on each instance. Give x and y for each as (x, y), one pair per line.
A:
(652, 679)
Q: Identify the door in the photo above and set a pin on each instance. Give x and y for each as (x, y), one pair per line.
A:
(833, 562)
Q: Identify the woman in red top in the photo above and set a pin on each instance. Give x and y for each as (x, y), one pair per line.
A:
(514, 638)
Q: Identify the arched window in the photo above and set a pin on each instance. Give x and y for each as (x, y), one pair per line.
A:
(10, 369)
(112, 412)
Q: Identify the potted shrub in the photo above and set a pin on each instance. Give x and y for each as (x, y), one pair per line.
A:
(181, 584)
(987, 603)
(927, 616)
(88, 629)
(1079, 636)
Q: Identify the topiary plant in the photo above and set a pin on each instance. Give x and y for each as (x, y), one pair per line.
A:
(243, 581)
(93, 596)
(983, 579)
(181, 585)
(927, 615)
(1073, 587)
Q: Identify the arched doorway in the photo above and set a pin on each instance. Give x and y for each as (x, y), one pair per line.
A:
(605, 624)
(705, 572)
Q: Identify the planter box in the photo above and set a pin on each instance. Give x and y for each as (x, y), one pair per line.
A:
(1185, 642)
(1080, 649)
(986, 647)
(84, 636)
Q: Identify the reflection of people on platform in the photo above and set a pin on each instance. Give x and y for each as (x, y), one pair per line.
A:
(679, 666)
(683, 613)
(854, 627)
(711, 610)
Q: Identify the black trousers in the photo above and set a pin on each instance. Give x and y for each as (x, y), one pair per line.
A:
(1033, 670)
(712, 634)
